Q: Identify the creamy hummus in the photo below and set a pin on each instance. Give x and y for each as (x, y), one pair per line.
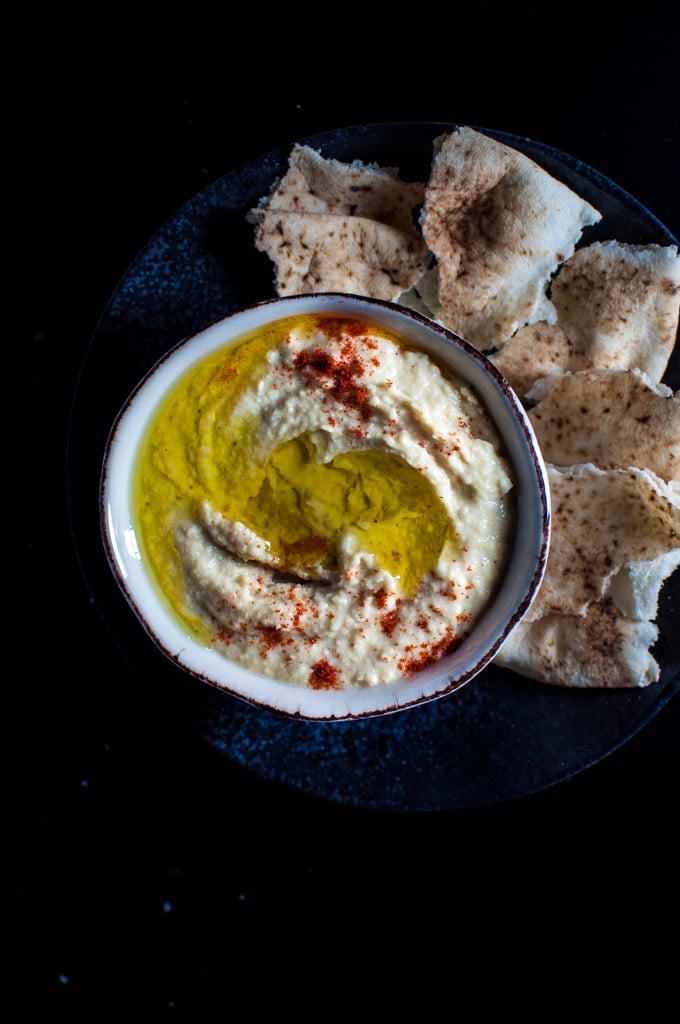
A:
(324, 504)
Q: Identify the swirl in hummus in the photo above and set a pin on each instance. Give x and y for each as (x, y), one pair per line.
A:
(324, 504)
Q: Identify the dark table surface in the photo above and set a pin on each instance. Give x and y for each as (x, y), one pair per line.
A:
(148, 870)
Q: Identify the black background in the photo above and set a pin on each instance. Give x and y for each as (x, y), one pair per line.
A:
(147, 872)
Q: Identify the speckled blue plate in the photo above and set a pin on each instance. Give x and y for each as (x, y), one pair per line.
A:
(501, 737)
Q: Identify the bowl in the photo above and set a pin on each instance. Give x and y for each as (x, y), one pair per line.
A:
(328, 506)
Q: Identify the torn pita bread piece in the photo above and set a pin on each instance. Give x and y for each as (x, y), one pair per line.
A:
(612, 418)
(534, 352)
(599, 650)
(316, 184)
(602, 521)
(616, 541)
(328, 253)
(499, 226)
(619, 306)
(347, 227)
(635, 589)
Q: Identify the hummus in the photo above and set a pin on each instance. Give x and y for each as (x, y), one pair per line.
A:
(324, 504)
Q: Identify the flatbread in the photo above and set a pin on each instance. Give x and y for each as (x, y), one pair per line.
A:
(619, 306)
(635, 589)
(499, 226)
(534, 352)
(602, 521)
(327, 253)
(616, 307)
(601, 649)
(345, 227)
(315, 184)
(612, 418)
(592, 623)
(615, 530)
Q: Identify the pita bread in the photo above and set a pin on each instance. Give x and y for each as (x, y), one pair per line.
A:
(322, 252)
(601, 649)
(612, 418)
(636, 587)
(329, 226)
(423, 295)
(619, 306)
(602, 521)
(315, 184)
(616, 307)
(534, 352)
(498, 226)
(592, 624)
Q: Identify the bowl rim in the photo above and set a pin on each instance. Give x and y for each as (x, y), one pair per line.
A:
(531, 536)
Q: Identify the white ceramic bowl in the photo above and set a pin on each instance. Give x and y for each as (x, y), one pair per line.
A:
(512, 600)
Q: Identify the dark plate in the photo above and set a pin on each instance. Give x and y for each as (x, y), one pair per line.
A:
(501, 737)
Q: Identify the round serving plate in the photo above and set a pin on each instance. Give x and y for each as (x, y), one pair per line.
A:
(501, 737)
